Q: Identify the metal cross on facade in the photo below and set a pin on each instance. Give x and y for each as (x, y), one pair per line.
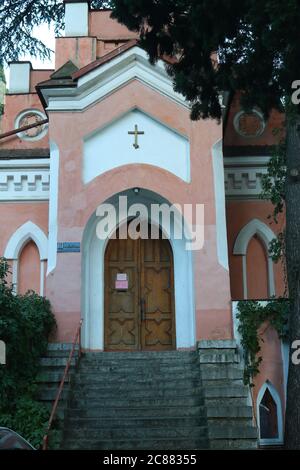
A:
(136, 134)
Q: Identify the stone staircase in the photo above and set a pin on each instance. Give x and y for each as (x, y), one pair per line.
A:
(226, 398)
(48, 380)
(152, 400)
(141, 400)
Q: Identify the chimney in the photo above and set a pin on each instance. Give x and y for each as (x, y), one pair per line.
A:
(76, 18)
(19, 77)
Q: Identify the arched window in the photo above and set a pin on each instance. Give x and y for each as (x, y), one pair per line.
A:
(256, 237)
(30, 242)
(269, 416)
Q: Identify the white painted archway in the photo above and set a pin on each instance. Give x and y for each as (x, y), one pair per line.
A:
(93, 250)
(25, 233)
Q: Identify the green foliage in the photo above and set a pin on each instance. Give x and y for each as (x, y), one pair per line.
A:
(252, 315)
(26, 321)
(273, 190)
(18, 19)
(29, 419)
(273, 184)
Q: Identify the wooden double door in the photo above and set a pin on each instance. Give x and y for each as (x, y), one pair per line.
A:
(139, 295)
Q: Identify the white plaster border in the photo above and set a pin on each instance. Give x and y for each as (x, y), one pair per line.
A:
(93, 251)
(53, 206)
(218, 169)
(97, 84)
(19, 118)
(27, 232)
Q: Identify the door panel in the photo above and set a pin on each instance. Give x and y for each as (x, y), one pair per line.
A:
(142, 316)
(157, 289)
(121, 307)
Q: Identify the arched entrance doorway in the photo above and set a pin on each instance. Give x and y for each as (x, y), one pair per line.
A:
(139, 294)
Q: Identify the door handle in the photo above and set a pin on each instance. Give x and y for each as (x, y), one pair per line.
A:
(143, 308)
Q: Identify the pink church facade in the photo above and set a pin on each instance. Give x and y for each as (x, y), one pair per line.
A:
(56, 175)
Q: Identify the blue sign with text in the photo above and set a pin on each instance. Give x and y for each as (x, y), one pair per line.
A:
(68, 247)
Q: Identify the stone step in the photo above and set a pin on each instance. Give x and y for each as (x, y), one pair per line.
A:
(136, 444)
(61, 346)
(231, 430)
(111, 402)
(49, 394)
(221, 371)
(141, 355)
(233, 444)
(225, 357)
(229, 411)
(216, 344)
(60, 353)
(133, 369)
(137, 411)
(120, 376)
(52, 377)
(133, 422)
(230, 391)
(225, 401)
(56, 361)
(223, 383)
(135, 384)
(154, 392)
(111, 433)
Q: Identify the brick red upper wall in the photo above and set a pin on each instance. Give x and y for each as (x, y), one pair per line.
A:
(102, 26)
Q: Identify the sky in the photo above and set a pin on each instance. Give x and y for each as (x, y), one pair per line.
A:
(48, 37)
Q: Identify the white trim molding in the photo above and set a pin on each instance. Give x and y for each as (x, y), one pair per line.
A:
(218, 169)
(275, 395)
(24, 180)
(255, 227)
(243, 176)
(97, 84)
(53, 206)
(27, 232)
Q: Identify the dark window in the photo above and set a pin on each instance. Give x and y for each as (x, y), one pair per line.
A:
(268, 416)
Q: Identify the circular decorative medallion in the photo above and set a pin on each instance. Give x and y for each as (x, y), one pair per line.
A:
(249, 124)
(31, 117)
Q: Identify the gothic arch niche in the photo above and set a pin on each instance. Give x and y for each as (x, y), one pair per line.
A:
(269, 415)
(257, 236)
(93, 279)
(29, 268)
(257, 269)
(31, 235)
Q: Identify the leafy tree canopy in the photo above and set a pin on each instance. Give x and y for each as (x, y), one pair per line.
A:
(257, 44)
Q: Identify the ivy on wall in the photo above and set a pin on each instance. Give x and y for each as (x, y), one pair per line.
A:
(252, 314)
(273, 190)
